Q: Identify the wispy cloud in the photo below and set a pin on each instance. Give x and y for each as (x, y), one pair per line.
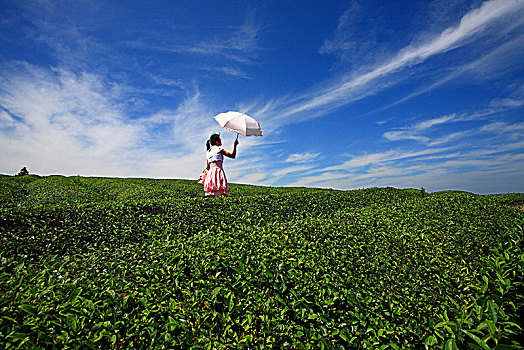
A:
(78, 124)
(507, 102)
(6, 120)
(497, 62)
(511, 131)
(253, 178)
(415, 132)
(421, 131)
(459, 168)
(346, 40)
(494, 146)
(237, 43)
(70, 122)
(301, 158)
(319, 180)
(292, 169)
(354, 87)
(231, 71)
(514, 100)
(74, 43)
(382, 157)
(160, 80)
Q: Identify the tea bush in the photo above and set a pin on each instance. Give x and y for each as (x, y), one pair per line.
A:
(141, 263)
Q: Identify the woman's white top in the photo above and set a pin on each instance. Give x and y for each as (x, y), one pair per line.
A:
(214, 154)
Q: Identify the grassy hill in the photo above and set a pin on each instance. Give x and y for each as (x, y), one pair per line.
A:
(141, 263)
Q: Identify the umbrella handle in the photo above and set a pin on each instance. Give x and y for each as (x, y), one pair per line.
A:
(237, 136)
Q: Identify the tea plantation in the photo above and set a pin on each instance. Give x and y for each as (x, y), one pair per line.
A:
(140, 263)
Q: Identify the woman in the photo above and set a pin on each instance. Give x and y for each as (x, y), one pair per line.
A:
(216, 181)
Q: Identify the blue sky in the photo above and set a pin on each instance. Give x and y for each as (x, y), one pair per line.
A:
(349, 94)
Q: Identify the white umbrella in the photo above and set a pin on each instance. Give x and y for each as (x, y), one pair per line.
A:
(239, 122)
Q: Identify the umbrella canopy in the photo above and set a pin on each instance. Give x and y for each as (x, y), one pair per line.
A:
(239, 122)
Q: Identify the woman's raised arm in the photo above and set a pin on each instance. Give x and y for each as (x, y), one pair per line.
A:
(234, 153)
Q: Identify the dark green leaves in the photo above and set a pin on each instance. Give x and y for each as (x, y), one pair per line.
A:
(138, 263)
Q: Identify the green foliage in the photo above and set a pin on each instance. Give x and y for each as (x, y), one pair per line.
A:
(140, 263)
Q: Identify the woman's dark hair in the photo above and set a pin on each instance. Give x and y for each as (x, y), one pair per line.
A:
(212, 140)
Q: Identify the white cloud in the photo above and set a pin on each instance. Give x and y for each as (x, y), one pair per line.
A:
(302, 157)
(237, 44)
(506, 102)
(498, 62)
(517, 129)
(344, 41)
(6, 120)
(425, 172)
(76, 124)
(404, 135)
(421, 131)
(252, 178)
(414, 132)
(321, 180)
(365, 160)
(515, 100)
(426, 124)
(354, 87)
(235, 72)
(293, 169)
(434, 168)
(382, 158)
(454, 136)
(69, 124)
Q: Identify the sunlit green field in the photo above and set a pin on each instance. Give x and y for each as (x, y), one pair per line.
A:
(140, 263)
